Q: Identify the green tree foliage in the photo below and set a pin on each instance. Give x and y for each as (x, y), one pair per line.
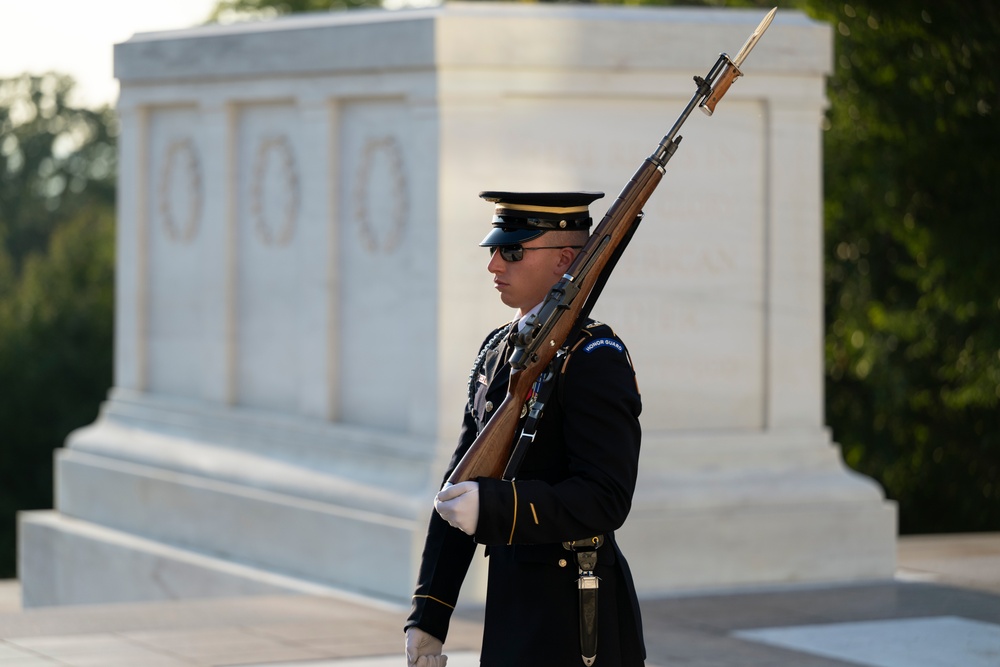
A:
(913, 281)
(234, 10)
(54, 158)
(57, 166)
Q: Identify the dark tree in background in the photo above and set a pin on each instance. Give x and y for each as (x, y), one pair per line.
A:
(913, 255)
(57, 190)
(230, 10)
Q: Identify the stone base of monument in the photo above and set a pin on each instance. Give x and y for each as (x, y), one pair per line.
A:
(69, 561)
(154, 502)
(163, 499)
(752, 509)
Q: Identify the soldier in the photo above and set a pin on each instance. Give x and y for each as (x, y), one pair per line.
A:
(549, 531)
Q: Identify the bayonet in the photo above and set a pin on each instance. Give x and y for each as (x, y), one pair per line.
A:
(752, 39)
(727, 69)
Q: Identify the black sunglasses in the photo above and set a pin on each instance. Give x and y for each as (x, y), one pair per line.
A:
(515, 252)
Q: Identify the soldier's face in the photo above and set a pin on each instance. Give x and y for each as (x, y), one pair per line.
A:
(523, 284)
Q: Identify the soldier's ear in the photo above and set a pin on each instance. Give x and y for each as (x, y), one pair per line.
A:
(566, 257)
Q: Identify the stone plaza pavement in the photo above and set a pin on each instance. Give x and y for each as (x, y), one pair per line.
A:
(942, 609)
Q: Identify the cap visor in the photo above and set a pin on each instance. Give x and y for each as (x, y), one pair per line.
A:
(510, 236)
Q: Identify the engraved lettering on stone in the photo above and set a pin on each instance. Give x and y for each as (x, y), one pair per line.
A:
(180, 191)
(670, 316)
(381, 220)
(689, 260)
(274, 192)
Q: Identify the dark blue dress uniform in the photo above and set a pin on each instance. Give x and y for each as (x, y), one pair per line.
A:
(575, 482)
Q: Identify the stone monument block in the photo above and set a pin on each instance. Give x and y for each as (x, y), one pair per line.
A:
(300, 297)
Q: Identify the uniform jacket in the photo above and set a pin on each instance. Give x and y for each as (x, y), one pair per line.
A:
(575, 482)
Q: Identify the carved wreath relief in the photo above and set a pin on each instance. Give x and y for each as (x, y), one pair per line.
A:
(180, 180)
(274, 232)
(385, 235)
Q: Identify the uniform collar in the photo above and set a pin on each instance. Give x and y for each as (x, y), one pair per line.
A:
(521, 322)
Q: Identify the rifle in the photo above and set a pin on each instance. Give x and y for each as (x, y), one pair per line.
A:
(493, 453)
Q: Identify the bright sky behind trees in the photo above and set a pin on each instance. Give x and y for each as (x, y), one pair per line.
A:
(77, 37)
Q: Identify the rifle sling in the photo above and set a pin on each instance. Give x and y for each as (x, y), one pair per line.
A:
(543, 389)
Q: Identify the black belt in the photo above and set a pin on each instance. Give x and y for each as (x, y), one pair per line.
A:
(586, 560)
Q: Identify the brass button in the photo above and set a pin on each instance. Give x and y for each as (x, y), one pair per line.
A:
(562, 562)
(489, 406)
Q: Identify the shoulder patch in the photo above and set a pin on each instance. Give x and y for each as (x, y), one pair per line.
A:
(598, 343)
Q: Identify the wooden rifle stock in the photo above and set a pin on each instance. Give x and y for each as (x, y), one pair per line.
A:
(547, 332)
(488, 455)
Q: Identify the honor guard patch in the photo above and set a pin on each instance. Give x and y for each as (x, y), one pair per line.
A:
(603, 342)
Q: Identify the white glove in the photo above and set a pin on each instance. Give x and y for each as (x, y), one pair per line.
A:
(423, 649)
(459, 505)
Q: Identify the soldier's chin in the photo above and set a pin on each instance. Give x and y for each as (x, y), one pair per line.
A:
(506, 298)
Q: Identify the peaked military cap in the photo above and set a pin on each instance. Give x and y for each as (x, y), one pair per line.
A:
(521, 216)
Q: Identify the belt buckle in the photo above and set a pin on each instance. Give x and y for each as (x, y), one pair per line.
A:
(588, 544)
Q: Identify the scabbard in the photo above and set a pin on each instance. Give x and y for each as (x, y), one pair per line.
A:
(588, 584)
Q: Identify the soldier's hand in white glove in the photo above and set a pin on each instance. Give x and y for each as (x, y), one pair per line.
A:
(424, 649)
(458, 504)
